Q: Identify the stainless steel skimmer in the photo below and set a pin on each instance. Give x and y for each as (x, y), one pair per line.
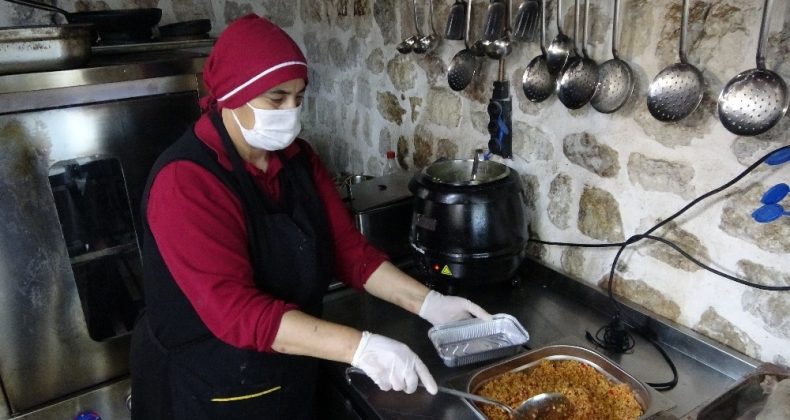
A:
(464, 64)
(678, 89)
(560, 48)
(754, 100)
(615, 78)
(577, 83)
(538, 82)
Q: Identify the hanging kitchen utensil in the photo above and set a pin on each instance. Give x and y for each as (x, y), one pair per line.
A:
(428, 42)
(498, 49)
(456, 19)
(527, 20)
(678, 89)
(560, 48)
(615, 77)
(495, 20)
(541, 406)
(577, 83)
(464, 64)
(538, 82)
(754, 100)
(407, 45)
(111, 26)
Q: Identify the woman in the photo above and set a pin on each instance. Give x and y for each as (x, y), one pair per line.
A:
(243, 229)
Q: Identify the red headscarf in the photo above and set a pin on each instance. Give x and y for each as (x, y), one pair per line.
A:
(251, 56)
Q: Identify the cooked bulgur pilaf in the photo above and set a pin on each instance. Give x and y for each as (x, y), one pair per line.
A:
(591, 394)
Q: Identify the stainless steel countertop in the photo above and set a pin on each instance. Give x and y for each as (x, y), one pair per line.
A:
(553, 309)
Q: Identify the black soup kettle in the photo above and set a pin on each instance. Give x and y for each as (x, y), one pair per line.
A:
(469, 223)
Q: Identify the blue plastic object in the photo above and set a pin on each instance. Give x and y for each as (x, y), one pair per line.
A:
(779, 157)
(775, 194)
(87, 415)
(768, 213)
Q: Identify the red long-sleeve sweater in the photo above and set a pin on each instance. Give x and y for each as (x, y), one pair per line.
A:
(199, 227)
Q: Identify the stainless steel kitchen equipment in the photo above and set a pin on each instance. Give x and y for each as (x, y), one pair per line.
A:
(578, 81)
(560, 48)
(538, 83)
(464, 64)
(754, 100)
(651, 401)
(75, 150)
(468, 231)
(678, 89)
(408, 44)
(615, 77)
(382, 209)
(44, 47)
(428, 42)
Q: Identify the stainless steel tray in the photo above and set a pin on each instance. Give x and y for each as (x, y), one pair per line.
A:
(474, 340)
(651, 401)
(745, 399)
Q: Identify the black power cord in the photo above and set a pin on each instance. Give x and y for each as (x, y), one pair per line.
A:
(614, 337)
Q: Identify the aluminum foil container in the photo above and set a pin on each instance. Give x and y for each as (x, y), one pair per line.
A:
(474, 340)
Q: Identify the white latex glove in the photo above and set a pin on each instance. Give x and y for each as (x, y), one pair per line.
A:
(439, 309)
(391, 364)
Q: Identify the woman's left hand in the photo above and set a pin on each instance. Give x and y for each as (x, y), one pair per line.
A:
(439, 309)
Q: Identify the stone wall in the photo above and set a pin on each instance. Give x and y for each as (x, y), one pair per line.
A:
(588, 176)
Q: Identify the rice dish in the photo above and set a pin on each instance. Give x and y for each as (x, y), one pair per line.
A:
(592, 395)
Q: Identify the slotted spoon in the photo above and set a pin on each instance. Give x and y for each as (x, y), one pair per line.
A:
(677, 90)
(578, 82)
(464, 65)
(754, 100)
(615, 78)
(538, 82)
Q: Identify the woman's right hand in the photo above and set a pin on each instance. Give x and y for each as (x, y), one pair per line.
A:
(391, 364)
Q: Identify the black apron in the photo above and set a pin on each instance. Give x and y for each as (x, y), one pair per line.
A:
(180, 371)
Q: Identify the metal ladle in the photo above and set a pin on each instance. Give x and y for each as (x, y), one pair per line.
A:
(615, 78)
(678, 89)
(407, 45)
(754, 100)
(560, 48)
(429, 42)
(538, 82)
(463, 66)
(579, 80)
(536, 407)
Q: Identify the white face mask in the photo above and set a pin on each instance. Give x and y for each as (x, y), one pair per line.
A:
(274, 129)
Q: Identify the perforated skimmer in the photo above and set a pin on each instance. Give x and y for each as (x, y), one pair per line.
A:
(538, 82)
(754, 100)
(579, 80)
(678, 89)
(464, 65)
(615, 78)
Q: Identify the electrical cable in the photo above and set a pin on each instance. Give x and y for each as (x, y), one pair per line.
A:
(614, 336)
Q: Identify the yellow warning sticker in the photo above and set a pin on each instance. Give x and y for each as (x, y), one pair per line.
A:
(446, 271)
